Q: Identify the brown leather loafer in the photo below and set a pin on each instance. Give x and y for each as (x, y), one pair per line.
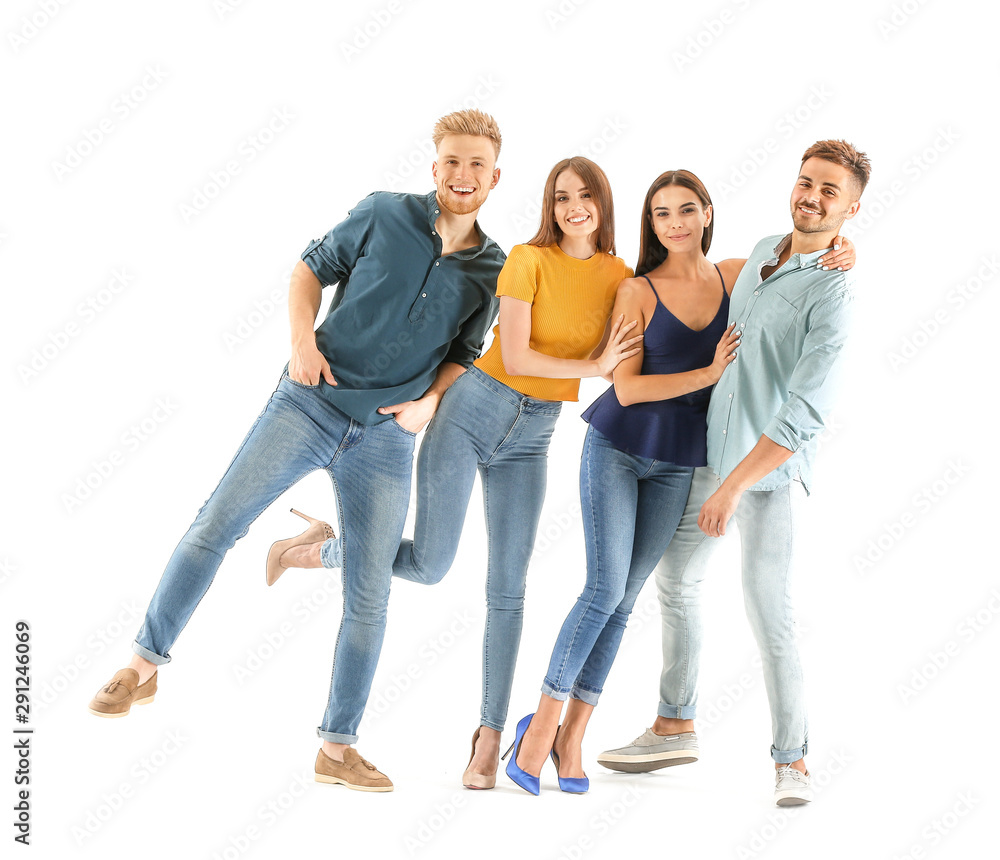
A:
(354, 772)
(116, 697)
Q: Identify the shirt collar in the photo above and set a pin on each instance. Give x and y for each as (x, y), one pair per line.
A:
(797, 261)
(433, 210)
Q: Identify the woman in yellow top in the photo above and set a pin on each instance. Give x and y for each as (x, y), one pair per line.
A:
(556, 294)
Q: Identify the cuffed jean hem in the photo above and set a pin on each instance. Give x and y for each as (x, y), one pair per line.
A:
(677, 712)
(337, 737)
(553, 693)
(788, 756)
(329, 554)
(152, 656)
(585, 695)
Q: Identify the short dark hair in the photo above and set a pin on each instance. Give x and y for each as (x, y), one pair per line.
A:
(595, 179)
(846, 155)
(651, 250)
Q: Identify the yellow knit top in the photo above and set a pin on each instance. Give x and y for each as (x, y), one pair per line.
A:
(571, 301)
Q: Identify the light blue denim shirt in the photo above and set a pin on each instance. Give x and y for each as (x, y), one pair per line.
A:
(784, 379)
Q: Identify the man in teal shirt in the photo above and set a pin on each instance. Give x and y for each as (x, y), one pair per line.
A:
(765, 414)
(415, 296)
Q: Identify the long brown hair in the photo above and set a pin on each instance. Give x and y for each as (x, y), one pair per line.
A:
(597, 183)
(651, 250)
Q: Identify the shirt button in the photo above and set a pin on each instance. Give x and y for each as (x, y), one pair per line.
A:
(424, 296)
(743, 325)
(730, 396)
(433, 233)
(723, 432)
(437, 211)
(438, 263)
(756, 292)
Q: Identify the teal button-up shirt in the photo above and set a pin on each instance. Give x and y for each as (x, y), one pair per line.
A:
(400, 308)
(783, 382)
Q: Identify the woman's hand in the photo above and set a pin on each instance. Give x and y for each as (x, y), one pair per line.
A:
(618, 348)
(843, 256)
(725, 352)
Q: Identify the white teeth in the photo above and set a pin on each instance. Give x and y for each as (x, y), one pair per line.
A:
(578, 220)
(461, 188)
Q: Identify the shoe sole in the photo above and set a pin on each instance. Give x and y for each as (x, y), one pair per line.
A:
(792, 801)
(646, 763)
(336, 780)
(145, 701)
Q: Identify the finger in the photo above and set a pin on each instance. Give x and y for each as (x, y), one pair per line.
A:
(392, 410)
(631, 340)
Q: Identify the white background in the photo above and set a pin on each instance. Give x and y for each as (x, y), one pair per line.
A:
(901, 523)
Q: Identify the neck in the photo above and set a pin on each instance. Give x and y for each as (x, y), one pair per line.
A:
(684, 266)
(457, 232)
(582, 249)
(809, 243)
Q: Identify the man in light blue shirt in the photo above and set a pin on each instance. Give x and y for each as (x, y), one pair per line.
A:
(763, 421)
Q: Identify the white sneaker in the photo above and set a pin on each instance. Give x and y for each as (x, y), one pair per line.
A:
(651, 751)
(791, 787)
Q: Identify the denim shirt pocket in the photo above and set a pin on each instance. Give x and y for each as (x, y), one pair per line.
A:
(776, 317)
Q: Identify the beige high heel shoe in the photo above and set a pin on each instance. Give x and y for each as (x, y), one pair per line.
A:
(317, 531)
(471, 779)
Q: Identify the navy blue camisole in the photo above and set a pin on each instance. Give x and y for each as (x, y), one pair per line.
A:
(672, 431)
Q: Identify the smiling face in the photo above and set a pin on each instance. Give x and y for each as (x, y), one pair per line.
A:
(824, 196)
(679, 219)
(575, 210)
(464, 172)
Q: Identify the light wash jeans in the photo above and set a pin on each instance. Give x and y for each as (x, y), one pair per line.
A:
(481, 424)
(631, 506)
(298, 432)
(766, 522)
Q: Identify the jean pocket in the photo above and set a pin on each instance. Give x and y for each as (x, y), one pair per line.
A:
(303, 384)
(401, 427)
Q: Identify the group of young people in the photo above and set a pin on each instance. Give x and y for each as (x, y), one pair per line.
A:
(722, 375)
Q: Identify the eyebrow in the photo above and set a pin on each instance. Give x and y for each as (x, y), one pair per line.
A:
(689, 203)
(455, 155)
(560, 191)
(827, 184)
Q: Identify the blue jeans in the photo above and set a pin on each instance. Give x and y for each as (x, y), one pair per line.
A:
(631, 506)
(766, 522)
(481, 424)
(298, 432)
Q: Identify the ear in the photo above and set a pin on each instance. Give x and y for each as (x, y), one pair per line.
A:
(708, 215)
(434, 171)
(853, 210)
(496, 178)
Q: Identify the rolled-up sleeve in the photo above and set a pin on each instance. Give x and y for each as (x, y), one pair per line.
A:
(332, 257)
(466, 348)
(815, 380)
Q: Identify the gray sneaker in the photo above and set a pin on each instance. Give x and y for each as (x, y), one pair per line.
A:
(791, 787)
(651, 751)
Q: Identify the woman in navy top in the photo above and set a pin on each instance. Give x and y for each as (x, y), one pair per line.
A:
(646, 436)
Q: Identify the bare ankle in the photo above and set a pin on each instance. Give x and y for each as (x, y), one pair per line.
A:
(672, 726)
(144, 667)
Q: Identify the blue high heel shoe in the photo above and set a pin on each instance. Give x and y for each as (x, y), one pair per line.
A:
(572, 784)
(521, 777)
